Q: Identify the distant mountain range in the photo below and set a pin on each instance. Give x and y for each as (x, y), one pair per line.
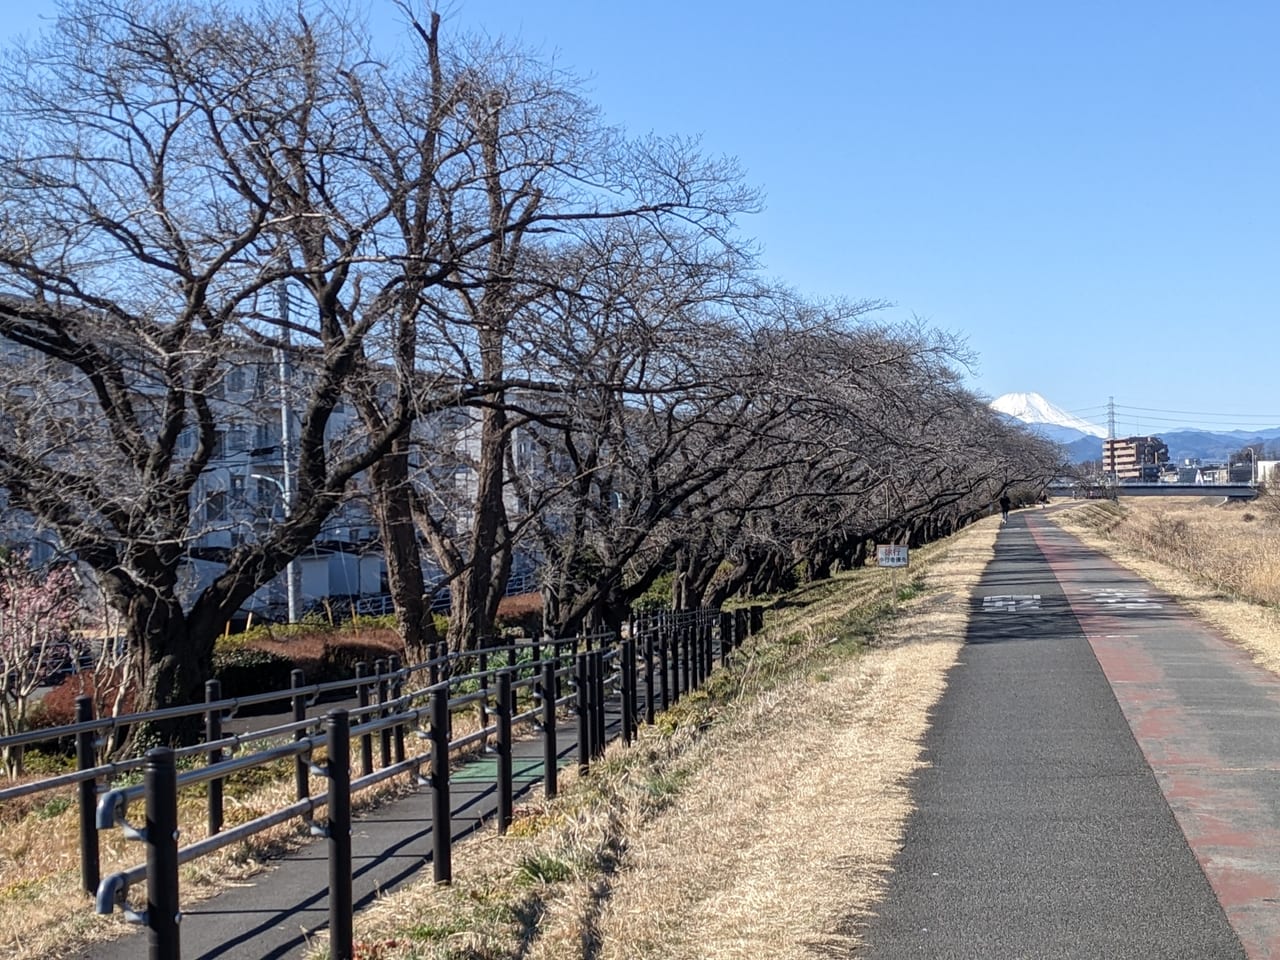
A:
(1083, 440)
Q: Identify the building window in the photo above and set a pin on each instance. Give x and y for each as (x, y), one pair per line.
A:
(215, 508)
(268, 493)
(237, 441)
(266, 435)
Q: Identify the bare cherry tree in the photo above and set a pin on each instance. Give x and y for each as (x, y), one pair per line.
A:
(165, 170)
(534, 172)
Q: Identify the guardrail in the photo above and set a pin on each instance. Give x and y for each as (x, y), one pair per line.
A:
(527, 684)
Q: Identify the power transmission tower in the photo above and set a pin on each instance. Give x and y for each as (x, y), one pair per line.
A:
(1110, 445)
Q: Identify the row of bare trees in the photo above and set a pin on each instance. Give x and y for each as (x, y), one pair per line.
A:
(477, 255)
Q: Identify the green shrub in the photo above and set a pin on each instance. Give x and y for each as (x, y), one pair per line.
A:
(658, 596)
(244, 671)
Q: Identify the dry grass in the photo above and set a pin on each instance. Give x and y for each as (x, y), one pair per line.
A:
(1220, 561)
(759, 818)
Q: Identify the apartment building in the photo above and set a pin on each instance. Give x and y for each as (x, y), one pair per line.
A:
(50, 409)
(246, 486)
(1134, 458)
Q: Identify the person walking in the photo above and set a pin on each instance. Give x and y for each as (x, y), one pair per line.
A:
(1004, 508)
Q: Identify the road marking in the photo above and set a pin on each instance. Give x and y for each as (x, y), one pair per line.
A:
(1009, 602)
(1130, 599)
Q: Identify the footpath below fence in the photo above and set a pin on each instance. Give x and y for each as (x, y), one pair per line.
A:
(280, 911)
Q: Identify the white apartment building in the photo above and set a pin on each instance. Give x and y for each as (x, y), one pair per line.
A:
(240, 493)
(244, 488)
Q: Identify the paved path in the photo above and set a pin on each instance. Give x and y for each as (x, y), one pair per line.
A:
(1103, 778)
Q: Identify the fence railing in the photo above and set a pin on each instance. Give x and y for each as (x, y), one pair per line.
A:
(382, 604)
(521, 685)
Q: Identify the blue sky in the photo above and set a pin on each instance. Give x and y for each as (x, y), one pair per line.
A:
(1089, 193)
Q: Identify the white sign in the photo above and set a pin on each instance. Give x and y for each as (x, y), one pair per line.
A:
(891, 555)
(1008, 603)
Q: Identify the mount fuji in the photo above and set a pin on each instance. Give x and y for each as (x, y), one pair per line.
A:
(1033, 409)
(1080, 438)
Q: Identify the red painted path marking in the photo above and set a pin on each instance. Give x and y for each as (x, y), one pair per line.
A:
(1215, 800)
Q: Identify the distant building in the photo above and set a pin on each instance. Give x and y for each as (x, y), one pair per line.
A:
(1240, 472)
(1134, 458)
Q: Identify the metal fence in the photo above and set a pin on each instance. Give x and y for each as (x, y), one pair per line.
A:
(525, 684)
(383, 604)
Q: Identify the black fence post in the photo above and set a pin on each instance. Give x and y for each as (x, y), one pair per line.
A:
(397, 689)
(581, 679)
(384, 735)
(506, 791)
(483, 702)
(741, 620)
(628, 668)
(708, 647)
(648, 676)
(550, 755)
(301, 764)
(441, 815)
(433, 661)
(341, 907)
(664, 664)
(682, 660)
(362, 701)
(726, 637)
(691, 657)
(86, 759)
(697, 651)
(704, 648)
(697, 636)
(757, 619)
(160, 781)
(558, 646)
(213, 733)
(599, 701)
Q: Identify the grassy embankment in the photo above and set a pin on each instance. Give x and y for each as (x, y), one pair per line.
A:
(1220, 561)
(757, 818)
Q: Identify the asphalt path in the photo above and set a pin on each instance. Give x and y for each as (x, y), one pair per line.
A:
(1040, 829)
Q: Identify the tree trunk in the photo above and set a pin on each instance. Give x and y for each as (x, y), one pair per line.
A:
(177, 659)
(390, 480)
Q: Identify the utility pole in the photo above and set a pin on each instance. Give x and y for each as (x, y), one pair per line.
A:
(292, 591)
(1111, 438)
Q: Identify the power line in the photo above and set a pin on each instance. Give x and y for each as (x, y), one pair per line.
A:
(1214, 426)
(1270, 418)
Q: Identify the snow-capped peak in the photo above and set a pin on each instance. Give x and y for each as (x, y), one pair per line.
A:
(1033, 408)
